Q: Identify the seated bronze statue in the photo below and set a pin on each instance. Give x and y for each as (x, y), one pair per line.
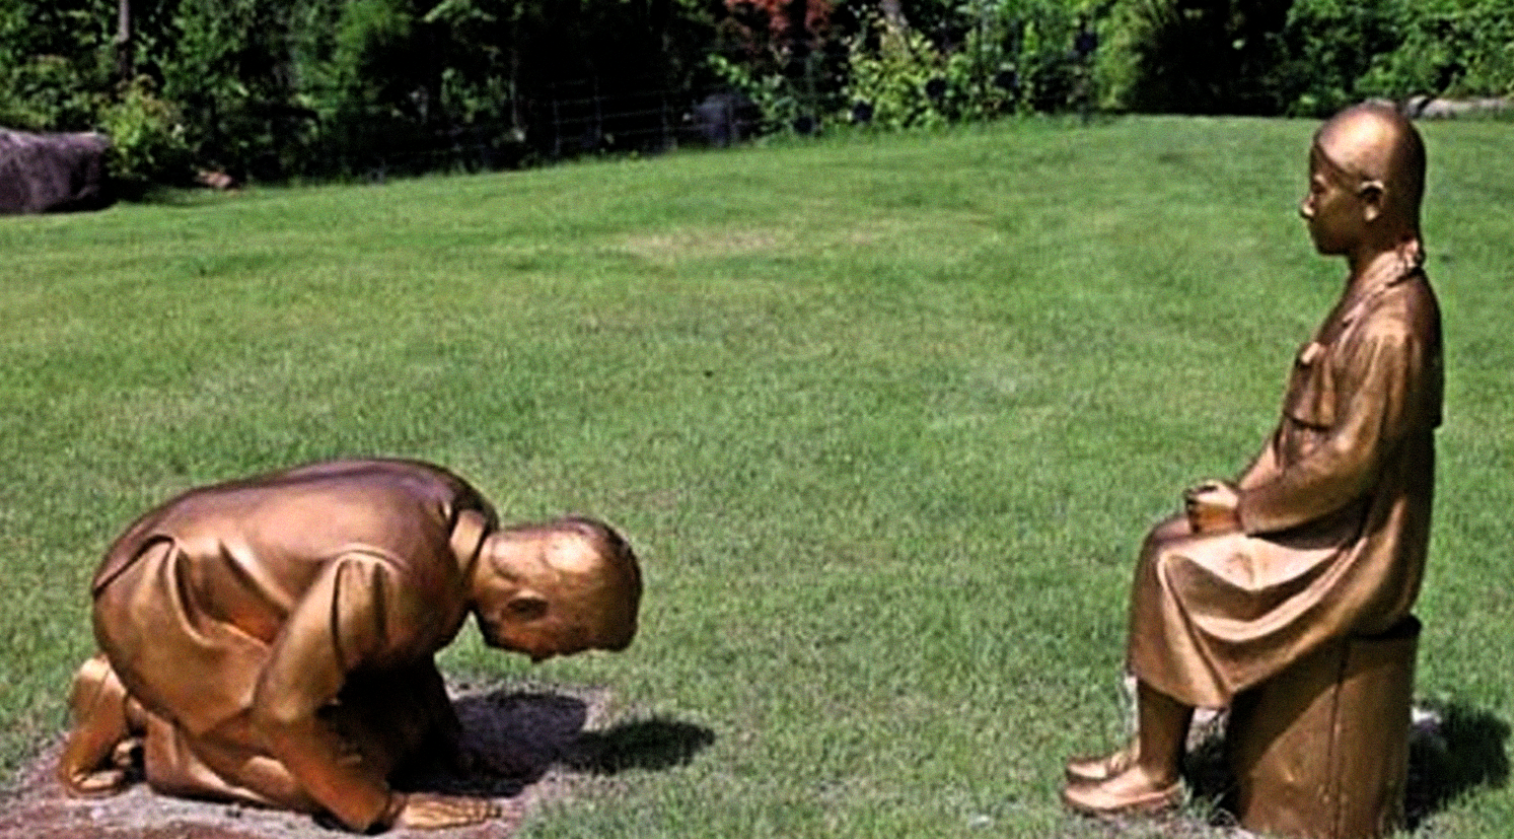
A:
(1324, 535)
(270, 641)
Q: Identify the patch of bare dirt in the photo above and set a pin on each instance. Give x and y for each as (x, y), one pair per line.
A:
(529, 745)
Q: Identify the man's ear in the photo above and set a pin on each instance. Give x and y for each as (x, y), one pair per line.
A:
(526, 606)
(1372, 195)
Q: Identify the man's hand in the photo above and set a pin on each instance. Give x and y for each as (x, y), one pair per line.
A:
(126, 763)
(429, 811)
(98, 784)
(1211, 507)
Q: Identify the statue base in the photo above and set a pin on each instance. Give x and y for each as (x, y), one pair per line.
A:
(1321, 751)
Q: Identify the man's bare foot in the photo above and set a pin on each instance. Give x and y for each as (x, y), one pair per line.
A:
(428, 811)
(1131, 792)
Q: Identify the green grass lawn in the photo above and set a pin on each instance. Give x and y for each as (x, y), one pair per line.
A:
(885, 418)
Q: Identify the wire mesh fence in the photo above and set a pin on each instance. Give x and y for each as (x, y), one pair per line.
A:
(563, 119)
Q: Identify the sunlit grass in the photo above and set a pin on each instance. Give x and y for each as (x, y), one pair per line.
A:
(886, 419)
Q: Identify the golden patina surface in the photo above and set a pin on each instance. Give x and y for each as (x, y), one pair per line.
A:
(271, 640)
(1324, 535)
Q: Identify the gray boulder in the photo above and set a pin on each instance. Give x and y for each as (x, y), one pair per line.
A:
(42, 173)
(725, 118)
(1425, 107)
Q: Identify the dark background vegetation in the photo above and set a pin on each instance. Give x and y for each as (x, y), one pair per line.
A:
(275, 89)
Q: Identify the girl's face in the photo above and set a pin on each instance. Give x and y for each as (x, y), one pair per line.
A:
(1333, 209)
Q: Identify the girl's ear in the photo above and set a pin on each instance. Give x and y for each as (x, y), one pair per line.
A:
(1372, 195)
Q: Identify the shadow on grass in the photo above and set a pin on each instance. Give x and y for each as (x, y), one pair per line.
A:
(512, 739)
(1454, 749)
(643, 744)
(158, 195)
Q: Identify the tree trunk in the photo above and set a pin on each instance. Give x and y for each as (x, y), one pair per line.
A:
(123, 40)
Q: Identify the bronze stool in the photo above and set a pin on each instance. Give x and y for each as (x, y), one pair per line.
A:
(1322, 750)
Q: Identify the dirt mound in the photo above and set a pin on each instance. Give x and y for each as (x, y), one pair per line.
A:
(525, 744)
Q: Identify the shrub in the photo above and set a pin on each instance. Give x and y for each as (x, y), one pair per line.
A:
(1324, 50)
(792, 73)
(1191, 56)
(891, 84)
(988, 58)
(230, 71)
(1306, 57)
(55, 64)
(1458, 48)
(147, 140)
(48, 93)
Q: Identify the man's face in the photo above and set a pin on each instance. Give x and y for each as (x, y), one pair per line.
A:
(541, 619)
(1332, 208)
(540, 639)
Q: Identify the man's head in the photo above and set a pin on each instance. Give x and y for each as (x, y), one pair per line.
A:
(1367, 176)
(556, 588)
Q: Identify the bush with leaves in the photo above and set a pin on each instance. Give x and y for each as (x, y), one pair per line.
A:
(1334, 52)
(48, 93)
(990, 57)
(891, 84)
(147, 140)
(1192, 56)
(55, 64)
(231, 68)
(1306, 57)
(791, 69)
(1455, 48)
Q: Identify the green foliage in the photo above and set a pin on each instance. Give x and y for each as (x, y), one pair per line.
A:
(968, 62)
(1306, 57)
(269, 89)
(888, 83)
(71, 29)
(774, 94)
(1334, 52)
(375, 52)
(55, 65)
(1050, 46)
(147, 139)
(477, 86)
(1326, 47)
(1191, 56)
(47, 93)
(885, 420)
(1458, 48)
(230, 70)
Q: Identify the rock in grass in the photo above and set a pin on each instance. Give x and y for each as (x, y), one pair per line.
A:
(42, 173)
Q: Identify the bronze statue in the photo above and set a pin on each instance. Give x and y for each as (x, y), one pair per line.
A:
(1324, 535)
(270, 640)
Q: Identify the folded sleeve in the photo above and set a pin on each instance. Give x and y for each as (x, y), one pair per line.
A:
(1372, 411)
(341, 625)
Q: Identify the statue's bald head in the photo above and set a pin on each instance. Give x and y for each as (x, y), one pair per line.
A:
(1374, 146)
(557, 588)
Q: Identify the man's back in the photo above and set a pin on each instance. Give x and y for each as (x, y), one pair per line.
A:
(278, 529)
(193, 598)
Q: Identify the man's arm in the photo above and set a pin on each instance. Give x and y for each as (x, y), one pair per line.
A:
(101, 728)
(343, 622)
(306, 669)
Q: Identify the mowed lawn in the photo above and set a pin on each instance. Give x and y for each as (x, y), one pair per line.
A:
(886, 419)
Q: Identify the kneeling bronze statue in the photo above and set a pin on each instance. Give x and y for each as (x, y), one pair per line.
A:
(1324, 536)
(270, 641)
